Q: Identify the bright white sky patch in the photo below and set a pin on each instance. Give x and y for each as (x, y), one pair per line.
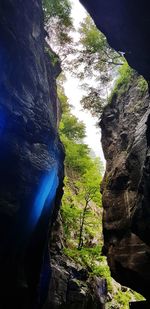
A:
(74, 94)
(78, 13)
(93, 136)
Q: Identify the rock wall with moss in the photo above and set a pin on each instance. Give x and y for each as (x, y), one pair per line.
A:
(125, 186)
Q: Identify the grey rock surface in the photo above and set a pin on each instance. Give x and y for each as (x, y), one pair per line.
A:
(124, 139)
(71, 286)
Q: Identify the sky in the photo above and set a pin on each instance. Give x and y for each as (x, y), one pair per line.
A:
(74, 94)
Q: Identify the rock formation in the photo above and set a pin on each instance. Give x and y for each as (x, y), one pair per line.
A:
(124, 142)
(71, 286)
(31, 156)
(31, 169)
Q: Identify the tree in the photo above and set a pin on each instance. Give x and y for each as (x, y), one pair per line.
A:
(88, 194)
(81, 201)
(59, 9)
(95, 64)
(72, 132)
(96, 53)
(58, 24)
(93, 100)
(72, 128)
(82, 181)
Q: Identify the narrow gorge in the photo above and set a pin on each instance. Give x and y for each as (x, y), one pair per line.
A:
(35, 270)
(125, 130)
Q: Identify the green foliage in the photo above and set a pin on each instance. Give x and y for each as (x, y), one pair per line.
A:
(82, 182)
(124, 82)
(70, 214)
(77, 158)
(92, 259)
(95, 48)
(72, 128)
(61, 95)
(142, 85)
(58, 24)
(82, 185)
(96, 59)
(126, 74)
(137, 296)
(91, 38)
(59, 9)
(53, 56)
(72, 131)
(123, 299)
(93, 101)
(86, 257)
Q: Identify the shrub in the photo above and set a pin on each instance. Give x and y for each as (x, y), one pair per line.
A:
(126, 74)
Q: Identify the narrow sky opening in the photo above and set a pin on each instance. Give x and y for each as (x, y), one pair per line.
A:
(74, 94)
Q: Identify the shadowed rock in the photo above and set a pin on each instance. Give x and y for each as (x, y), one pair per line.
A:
(31, 154)
(126, 25)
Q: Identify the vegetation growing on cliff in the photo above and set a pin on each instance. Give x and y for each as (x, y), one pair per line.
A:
(82, 182)
(81, 206)
(126, 77)
(142, 85)
(123, 82)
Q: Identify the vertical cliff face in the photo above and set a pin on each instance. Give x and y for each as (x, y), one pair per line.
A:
(31, 156)
(124, 142)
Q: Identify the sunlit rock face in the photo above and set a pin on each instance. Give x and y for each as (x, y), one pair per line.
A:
(127, 27)
(31, 154)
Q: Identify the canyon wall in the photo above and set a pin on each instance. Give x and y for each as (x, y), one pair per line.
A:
(124, 139)
(31, 155)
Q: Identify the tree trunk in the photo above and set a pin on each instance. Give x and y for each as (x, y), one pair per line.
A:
(82, 221)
